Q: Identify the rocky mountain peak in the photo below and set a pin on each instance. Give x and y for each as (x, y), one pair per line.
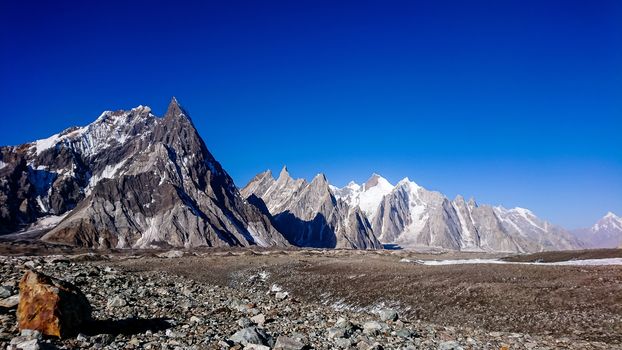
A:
(284, 174)
(320, 180)
(375, 180)
(175, 110)
(609, 222)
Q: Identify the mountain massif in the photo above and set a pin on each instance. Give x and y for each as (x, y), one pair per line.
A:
(131, 179)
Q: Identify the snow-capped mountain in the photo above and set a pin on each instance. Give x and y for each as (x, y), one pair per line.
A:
(308, 213)
(606, 233)
(129, 179)
(412, 216)
(367, 196)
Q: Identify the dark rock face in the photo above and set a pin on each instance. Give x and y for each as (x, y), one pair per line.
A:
(53, 307)
(129, 179)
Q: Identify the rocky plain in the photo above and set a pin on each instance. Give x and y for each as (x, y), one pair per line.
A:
(319, 299)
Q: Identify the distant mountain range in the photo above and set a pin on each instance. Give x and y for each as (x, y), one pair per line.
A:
(606, 233)
(131, 179)
(412, 216)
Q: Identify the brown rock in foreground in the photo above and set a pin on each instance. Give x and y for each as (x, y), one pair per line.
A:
(51, 306)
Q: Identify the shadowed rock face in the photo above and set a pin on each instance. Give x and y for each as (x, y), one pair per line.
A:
(308, 214)
(130, 179)
(55, 308)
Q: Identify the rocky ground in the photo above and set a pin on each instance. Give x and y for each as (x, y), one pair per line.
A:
(245, 299)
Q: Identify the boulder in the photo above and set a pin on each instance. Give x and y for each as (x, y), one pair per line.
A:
(52, 306)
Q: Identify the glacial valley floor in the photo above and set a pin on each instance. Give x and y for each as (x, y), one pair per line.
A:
(580, 302)
(471, 306)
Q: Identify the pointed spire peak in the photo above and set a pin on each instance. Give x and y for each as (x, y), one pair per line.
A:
(266, 173)
(284, 173)
(175, 110)
(459, 198)
(320, 179)
(472, 202)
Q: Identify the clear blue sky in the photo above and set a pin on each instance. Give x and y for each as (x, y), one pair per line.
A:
(513, 102)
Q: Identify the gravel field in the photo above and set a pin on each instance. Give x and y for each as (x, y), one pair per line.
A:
(323, 299)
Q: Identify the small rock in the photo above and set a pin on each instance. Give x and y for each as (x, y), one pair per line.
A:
(245, 322)
(342, 342)
(388, 315)
(171, 254)
(256, 347)
(10, 302)
(450, 345)
(5, 292)
(335, 332)
(281, 295)
(249, 335)
(32, 344)
(287, 343)
(195, 319)
(31, 334)
(372, 327)
(259, 319)
(171, 334)
(116, 301)
(404, 333)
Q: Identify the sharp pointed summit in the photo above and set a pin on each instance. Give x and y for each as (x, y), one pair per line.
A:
(175, 110)
(284, 172)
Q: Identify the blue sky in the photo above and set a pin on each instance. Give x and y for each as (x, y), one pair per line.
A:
(513, 102)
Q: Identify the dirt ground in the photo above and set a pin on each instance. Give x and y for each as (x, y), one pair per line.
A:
(578, 302)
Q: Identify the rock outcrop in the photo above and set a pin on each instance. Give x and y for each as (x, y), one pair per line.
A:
(55, 308)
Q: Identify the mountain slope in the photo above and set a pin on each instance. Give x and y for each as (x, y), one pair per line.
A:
(129, 179)
(606, 233)
(308, 213)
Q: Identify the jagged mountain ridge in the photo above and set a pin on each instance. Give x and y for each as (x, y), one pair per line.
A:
(411, 216)
(605, 233)
(129, 179)
(309, 214)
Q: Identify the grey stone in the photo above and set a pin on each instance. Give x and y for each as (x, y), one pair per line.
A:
(116, 301)
(388, 315)
(335, 332)
(249, 335)
(373, 327)
(5, 292)
(287, 343)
